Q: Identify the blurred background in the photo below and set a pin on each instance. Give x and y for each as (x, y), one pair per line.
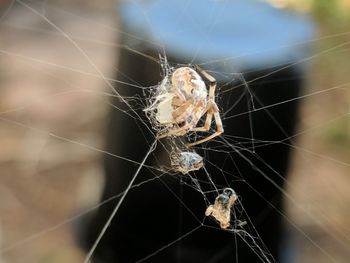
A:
(53, 113)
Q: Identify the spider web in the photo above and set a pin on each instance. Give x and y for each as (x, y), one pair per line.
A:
(229, 146)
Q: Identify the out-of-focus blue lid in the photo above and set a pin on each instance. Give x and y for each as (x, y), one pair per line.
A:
(243, 34)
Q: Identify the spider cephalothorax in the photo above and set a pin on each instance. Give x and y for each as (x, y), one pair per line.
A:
(184, 101)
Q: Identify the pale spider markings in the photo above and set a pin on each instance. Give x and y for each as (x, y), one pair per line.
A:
(185, 101)
(221, 209)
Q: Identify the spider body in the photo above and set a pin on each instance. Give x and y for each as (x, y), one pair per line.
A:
(221, 209)
(184, 101)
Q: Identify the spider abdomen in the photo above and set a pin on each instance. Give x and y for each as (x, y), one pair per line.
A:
(188, 84)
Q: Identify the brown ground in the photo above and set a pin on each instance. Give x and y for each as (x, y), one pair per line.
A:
(42, 175)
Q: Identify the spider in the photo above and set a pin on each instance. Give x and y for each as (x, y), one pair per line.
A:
(185, 101)
(221, 209)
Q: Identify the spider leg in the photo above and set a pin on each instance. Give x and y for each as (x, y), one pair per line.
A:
(179, 131)
(212, 110)
(179, 115)
(188, 114)
(206, 74)
(207, 122)
(177, 102)
(176, 131)
(206, 125)
(219, 128)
